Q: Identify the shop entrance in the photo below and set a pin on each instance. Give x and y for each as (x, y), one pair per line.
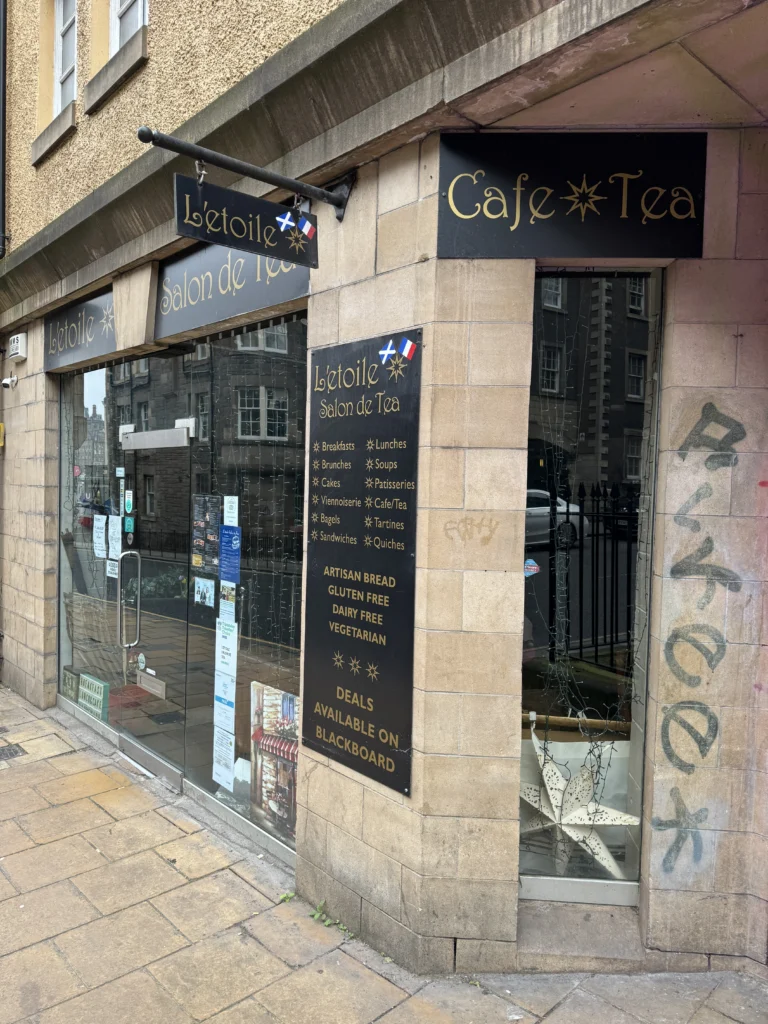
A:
(160, 455)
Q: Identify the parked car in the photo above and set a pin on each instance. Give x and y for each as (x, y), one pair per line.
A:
(537, 521)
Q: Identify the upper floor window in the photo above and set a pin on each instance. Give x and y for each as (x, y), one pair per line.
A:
(203, 416)
(636, 295)
(143, 411)
(552, 292)
(270, 337)
(262, 413)
(549, 370)
(65, 56)
(140, 367)
(120, 372)
(126, 18)
(635, 375)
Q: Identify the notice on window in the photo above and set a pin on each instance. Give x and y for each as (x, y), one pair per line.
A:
(100, 536)
(231, 514)
(205, 591)
(223, 758)
(226, 647)
(112, 570)
(115, 537)
(206, 520)
(224, 702)
(227, 601)
(229, 554)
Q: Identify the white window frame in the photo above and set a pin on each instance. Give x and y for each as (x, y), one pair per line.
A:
(203, 399)
(149, 491)
(60, 74)
(545, 369)
(140, 409)
(627, 439)
(558, 305)
(263, 391)
(635, 376)
(117, 8)
(140, 367)
(633, 308)
(255, 340)
(121, 373)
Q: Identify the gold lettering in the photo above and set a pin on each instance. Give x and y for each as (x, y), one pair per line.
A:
(473, 178)
(165, 304)
(535, 207)
(625, 179)
(269, 234)
(682, 195)
(647, 211)
(196, 219)
(89, 329)
(232, 227)
(518, 190)
(495, 195)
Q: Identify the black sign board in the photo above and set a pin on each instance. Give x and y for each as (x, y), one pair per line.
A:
(80, 332)
(511, 196)
(239, 221)
(358, 640)
(212, 284)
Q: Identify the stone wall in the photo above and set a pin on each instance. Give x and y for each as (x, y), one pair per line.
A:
(433, 878)
(705, 863)
(29, 477)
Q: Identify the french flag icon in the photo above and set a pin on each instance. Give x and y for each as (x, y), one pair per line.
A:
(407, 348)
(306, 227)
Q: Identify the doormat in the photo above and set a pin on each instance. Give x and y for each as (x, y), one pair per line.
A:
(11, 750)
(168, 718)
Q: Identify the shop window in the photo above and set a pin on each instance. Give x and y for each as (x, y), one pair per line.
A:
(633, 445)
(143, 415)
(203, 416)
(552, 292)
(636, 295)
(65, 56)
(549, 370)
(149, 495)
(126, 18)
(636, 365)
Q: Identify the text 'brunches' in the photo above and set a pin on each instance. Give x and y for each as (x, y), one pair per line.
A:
(469, 196)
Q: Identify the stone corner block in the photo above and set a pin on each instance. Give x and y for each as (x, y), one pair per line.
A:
(60, 128)
(135, 295)
(128, 59)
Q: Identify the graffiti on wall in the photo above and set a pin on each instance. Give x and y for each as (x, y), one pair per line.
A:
(693, 717)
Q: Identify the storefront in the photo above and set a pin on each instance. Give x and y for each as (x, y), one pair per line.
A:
(187, 650)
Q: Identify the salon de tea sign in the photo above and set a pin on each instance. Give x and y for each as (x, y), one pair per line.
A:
(239, 221)
(556, 195)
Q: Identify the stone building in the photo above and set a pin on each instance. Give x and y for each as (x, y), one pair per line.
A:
(588, 705)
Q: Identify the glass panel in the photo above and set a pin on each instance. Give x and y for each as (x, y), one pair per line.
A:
(68, 48)
(68, 10)
(130, 21)
(591, 462)
(67, 90)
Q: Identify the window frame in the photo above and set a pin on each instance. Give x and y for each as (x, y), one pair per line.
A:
(263, 413)
(559, 308)
(631, 353)
(149, 489)
(117, 10)
(204, 398)
(633, 310)
(557, 390)
(59, 77)
(141, 407)
(633, 436)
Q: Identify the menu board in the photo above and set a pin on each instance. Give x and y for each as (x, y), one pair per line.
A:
(358, 642)
(206, 519)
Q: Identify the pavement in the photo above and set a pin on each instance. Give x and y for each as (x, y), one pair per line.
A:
(122, 902)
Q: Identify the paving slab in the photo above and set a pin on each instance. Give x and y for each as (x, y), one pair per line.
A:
(66, 820)
(6, 889)
(335, 989)
(217, 972)
(585, 1008)
(197, 855)
(51, 862)
(79, 761)
(133, 880)
(128, 801)
(45, 746)
(35, 916)
(134, 999)
(17, 776)
(180, 818)
(247, 1012)
(537, 993)
(20, 801)
(34, 979)
(655, 998)
(290, 933)
(455, 1002)
(77, 787)
(211, 904)
(741, 998)
(117, 840)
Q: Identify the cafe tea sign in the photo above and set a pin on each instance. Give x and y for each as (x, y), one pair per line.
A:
(557, 195)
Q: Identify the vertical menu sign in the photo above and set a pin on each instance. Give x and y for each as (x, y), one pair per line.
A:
(358, 643)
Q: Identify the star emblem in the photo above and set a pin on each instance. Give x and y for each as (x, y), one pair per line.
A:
(396, 368)
(567, 806)
(368, 521)
(315, 463)
(583, 198)
(315, 517)
(369, 502)
(372, 672)
(315, 481)
(108, 320)
(296, 240)
(316, 446)
(314, 535)
(338, 660)
(369, 445)
(369, 463)
(369, 481)
(315, 499)
(367, 541)
(354, 666)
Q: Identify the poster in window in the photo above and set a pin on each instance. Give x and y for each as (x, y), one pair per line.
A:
(275, 716)
(206, 519)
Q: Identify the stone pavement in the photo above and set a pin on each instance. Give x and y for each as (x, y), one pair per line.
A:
(122, 902)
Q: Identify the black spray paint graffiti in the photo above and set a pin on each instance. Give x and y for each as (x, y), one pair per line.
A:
(682, 518)
(692, 566)
(725, 454)
(704, 741)
(688, 635)
(687, 825)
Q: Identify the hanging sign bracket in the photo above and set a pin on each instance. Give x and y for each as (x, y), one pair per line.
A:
(335, 196)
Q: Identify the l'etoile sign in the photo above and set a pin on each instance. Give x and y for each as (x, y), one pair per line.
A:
(590, 195)
(239, 221)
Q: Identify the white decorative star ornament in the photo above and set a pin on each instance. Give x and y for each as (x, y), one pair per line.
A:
(568, 807)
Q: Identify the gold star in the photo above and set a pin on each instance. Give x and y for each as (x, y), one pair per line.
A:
(315, 463)
(583, 198)
(314, 535)
(369, 481)
(369, 445)
(368, 521)
(107, 320)
(316, 446)
(338, 660)
(296, 240)
(372, 672)
(314, 517)
(369, 502)
(315, 499)
(315, 481)
(369, 463)
(396, 367)
(354, 666)
(367, 541)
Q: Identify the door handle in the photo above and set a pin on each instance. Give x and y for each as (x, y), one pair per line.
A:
(126, 554)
